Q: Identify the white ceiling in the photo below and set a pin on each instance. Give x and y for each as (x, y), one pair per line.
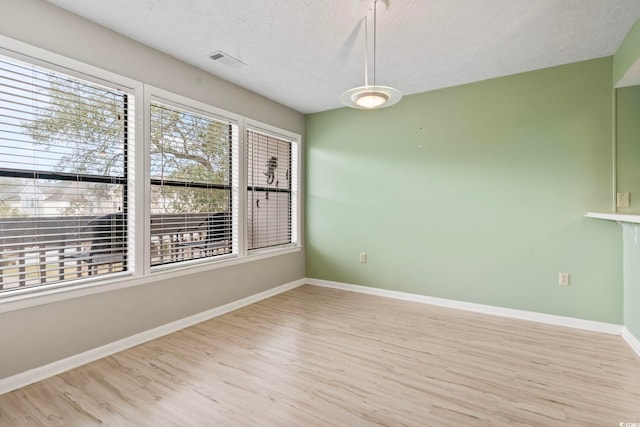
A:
(305, 53)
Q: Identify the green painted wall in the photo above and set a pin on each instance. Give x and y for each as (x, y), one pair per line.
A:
(628, 145)
(631, 284)
(627, 54)
(628, 180)
(474, 193)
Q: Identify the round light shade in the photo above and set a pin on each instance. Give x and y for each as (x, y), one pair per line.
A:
(370, 97)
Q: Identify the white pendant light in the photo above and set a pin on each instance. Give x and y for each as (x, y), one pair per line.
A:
(370, 96)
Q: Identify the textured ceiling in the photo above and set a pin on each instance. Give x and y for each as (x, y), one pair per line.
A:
(305, 53)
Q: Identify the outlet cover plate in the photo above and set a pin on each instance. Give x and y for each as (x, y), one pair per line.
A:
(563, 279)
(622, 200)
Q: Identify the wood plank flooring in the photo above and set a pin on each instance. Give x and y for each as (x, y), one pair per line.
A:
(324, 357)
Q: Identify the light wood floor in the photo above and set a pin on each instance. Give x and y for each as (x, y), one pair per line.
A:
(323, 357)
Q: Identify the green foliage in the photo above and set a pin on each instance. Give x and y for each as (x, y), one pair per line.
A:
(6, 211)
(82, 206)
(180, 200)
(189, 148)
(88, 122)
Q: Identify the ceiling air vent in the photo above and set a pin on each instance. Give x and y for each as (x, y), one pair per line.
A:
(224, 58)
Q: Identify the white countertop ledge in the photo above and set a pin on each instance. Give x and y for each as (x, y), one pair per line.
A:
(620, 217)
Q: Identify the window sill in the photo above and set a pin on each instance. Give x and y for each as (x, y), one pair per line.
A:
(123, 281)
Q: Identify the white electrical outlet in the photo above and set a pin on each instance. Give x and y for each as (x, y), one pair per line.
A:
(563, 279)
(623, 200)
(363, 257)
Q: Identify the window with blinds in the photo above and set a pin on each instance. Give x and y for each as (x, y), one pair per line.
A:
(191, 184)
(72, 198)
(271, 190)
(63, 177)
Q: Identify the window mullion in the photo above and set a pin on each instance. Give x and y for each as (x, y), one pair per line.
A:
(240, 188)
(142, 185)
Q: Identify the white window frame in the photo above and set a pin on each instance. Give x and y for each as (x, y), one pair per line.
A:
(152, 94)
(295, 183)
(138, 187)
(54, 62)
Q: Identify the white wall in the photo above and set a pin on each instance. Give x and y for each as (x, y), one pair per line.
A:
(35, 336)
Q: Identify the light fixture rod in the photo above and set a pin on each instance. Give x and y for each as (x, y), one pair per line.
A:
(366, 45)
(366, 51)
(374, 39)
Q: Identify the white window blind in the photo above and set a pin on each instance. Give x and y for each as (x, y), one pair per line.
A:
(191, 184)
(63, 176)
(272, 190)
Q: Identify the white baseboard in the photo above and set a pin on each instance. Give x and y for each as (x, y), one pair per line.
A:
(551, 319)
(633, 342)
(37, 374)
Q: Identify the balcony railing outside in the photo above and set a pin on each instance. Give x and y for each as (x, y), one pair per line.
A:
(63, 250)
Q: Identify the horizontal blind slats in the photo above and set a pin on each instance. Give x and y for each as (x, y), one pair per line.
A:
(190, 158)
(269, 197)
(63, 205)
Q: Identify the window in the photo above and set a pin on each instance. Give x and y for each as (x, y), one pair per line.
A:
(80, 183)
(272, 170)
(191, 156)
(63, 177)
